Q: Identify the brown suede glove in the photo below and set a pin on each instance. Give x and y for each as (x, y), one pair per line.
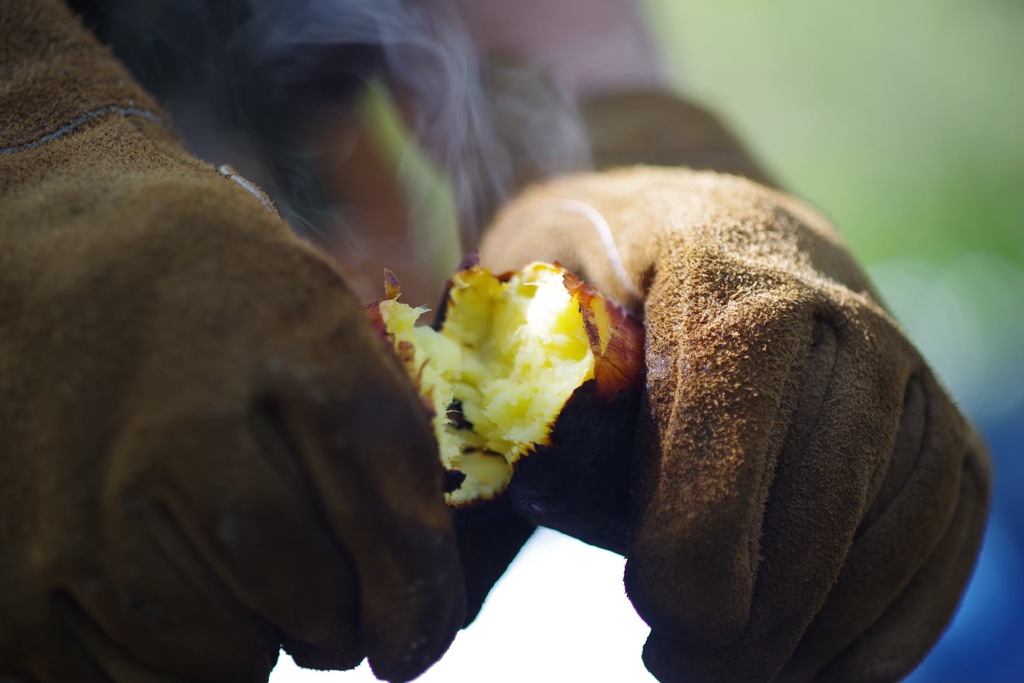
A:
(204, 452)
(807, 503)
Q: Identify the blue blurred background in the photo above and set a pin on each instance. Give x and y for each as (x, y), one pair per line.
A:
(905, 123)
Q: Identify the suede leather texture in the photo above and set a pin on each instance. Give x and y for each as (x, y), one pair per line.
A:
(204, 452)
(807, 503)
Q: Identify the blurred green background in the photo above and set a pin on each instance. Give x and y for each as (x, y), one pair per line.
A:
(904, 122)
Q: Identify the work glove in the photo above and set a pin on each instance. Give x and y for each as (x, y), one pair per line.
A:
(204, 451)
(806, 503)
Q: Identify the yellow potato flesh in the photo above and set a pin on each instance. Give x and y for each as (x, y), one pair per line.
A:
(508, 356)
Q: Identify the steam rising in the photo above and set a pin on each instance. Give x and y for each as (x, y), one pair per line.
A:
(256, 68)
(485, 127)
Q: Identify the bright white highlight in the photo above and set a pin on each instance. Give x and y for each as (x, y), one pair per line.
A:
(559, 614)
(228, 172)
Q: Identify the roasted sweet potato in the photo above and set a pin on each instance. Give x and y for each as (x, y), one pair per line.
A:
(533, 380)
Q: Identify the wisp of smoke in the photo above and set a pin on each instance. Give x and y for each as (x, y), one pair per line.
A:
(261, 66)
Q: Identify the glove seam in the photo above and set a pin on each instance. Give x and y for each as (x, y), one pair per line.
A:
(884, 669)
(82, 121)
(873, 516)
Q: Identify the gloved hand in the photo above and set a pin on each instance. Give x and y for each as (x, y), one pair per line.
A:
(204, 452)
(807, 503)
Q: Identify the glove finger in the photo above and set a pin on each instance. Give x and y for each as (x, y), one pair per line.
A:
(248, 513)
(201, 533)
(819, 486)
(718, 379)
(117, 665)
(371, 456)
(906, 520)
(55, 655)
(152, 606)
(901, 637)
(818, 497)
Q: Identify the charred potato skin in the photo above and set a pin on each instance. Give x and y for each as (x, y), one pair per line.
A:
(579, 485)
